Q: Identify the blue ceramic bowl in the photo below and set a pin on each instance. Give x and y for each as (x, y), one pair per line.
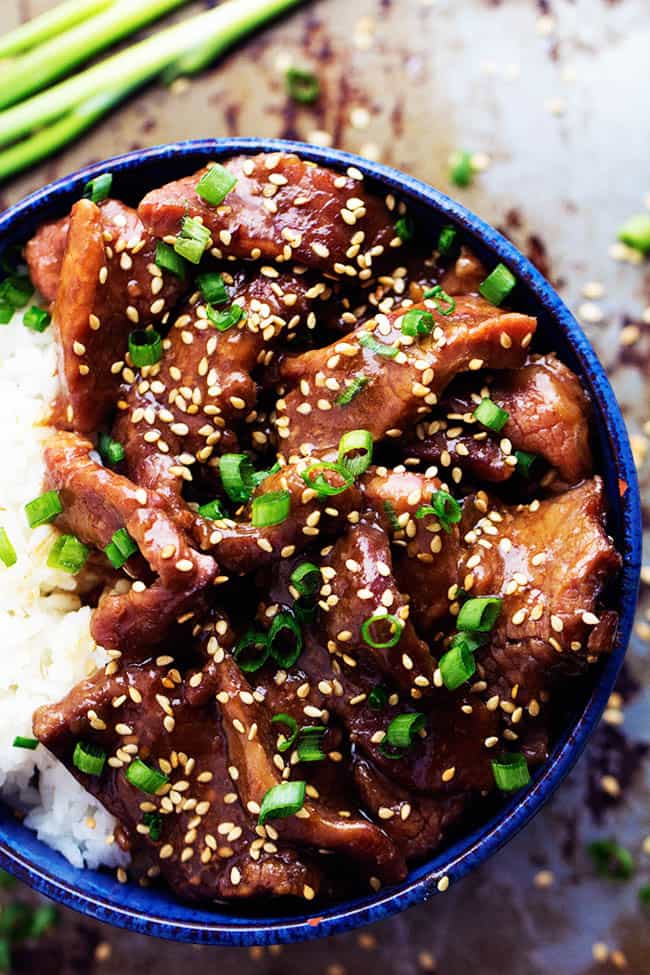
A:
(157, 912)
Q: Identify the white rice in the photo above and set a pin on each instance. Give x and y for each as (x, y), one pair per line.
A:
(45, 638)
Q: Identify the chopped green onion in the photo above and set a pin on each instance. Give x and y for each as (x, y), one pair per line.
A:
(635, 232)
(153, 821)
(395, 627)
(212, 288)
(321, 485)
(260, 476)
(169, 260)
(190, 249)
(237, 476)
(44, 917)
(68, 554)
(215, 185)
(644, 895)
(402, 730)
(355, 451)
(285, 639)
(144, 777)
(43, 509)
(351, 390)
(305, 578)
(194, 229)
(292, 725)
(369, 341)
(378, 698)
(305, 610)
(271, 509)
(525, 462)
(282, 800)
(490, 415)
(111, 451)
(391, 514)
(444, 303)
(89, 758)
(223, 320)
(479, 614)
(120, 548)
(37, 319)
(145, 347)
(498, 284)
(6, 313)
(405, 228)
(444, 507)
(310, 742)
(303, 86)
(456, 666)
(7, 551)
(610, 859)
(461, 169)
(16, 290)
(415, 322)
(468, 642)
(99, 188)
(212, 510)
(447, 240)
(510, 772)
(251, 651)
(21, 742)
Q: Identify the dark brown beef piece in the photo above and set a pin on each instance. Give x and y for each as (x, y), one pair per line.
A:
(452, 446)
(397, 390)
(97, 502)
(286, 210)
(44, 255)
(425, 557)
(465, 275)
(210, 845)
(549, 561)
(549, 415)
(108, 284)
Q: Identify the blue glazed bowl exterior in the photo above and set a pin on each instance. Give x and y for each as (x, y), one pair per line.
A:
(157, 912)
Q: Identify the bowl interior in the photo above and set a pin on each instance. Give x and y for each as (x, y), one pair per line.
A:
(157, 912)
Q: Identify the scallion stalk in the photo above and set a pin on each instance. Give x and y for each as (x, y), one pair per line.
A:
(49, 24)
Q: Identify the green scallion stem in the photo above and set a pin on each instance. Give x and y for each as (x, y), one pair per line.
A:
(50, 24)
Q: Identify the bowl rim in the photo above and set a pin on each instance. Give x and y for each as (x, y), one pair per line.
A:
(466, 853)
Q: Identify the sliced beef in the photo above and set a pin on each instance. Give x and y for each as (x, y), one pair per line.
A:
(108, 285)
(44, 255)
(451, 446)
(385, 395)
(465, 275)
(283, 209)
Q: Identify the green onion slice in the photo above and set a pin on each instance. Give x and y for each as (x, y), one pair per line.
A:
(305, 610)
(525, 462)
(469, 642)
(352, 390)
(378, 698)
(444, 303)
(190, 249)
(391, 514)
(479, 614)
(7, 551)
(303, 86)
(215, 185)
(310, 743)
(68, 554)
(305, 578)
(644, 895)
(99, 188)
(314, 477)
(355, 451)
(271, 508)
(282, 800)
(251, 651)
(392, 628)
(405, 228)
(402, 730)
(635, 232)
(510, 772)
(223, 320)
(212, 288)
(461, 169)
(498, 285)
(237, 476)
(120, 548)
(169, 260)
(16, 290)
(43, 509)
(21, 742)
(368, 341)
(37, 319)
(111, 451)
(6, 313)
(212, 510)
(611, 860)
(285, 639)
(193, 229)
(292, 725)
(457, 666)
(447, 240)
(153, 821)
(490, 415)
(145, 347)
(89, 758)
(415, 322)
(444, 507)
(144, 777)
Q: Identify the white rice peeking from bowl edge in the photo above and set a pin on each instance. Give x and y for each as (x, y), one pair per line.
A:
(45, 631)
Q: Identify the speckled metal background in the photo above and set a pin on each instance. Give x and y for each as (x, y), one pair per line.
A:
(554, 95)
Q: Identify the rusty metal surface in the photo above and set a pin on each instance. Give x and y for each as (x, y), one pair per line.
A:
(555, 93)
